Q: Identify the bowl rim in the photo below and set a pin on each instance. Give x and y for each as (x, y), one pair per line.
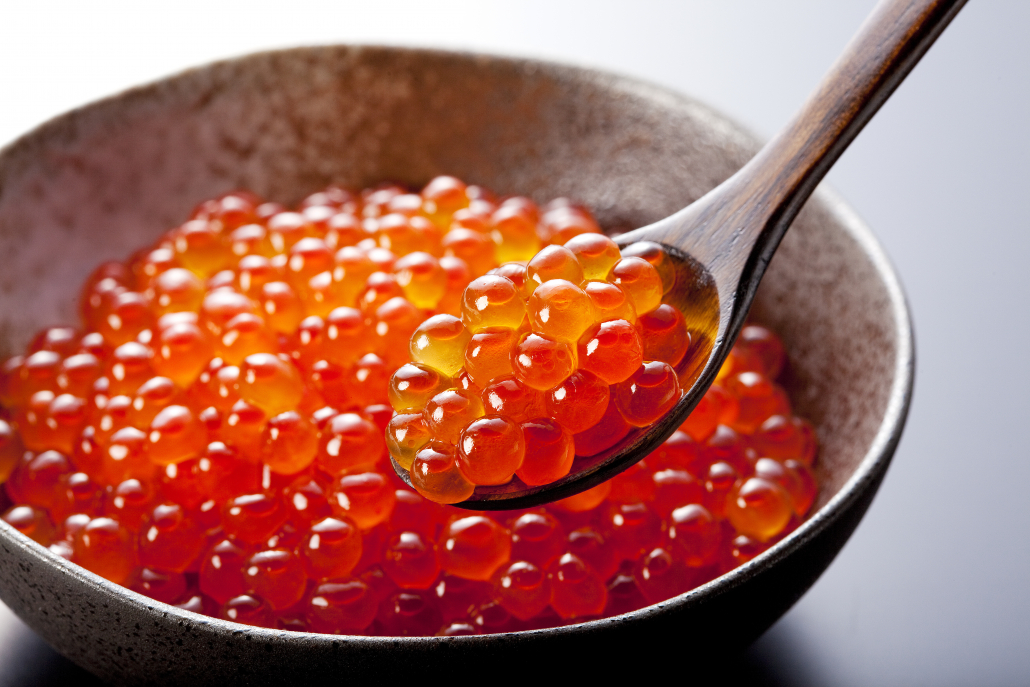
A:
(868, 472)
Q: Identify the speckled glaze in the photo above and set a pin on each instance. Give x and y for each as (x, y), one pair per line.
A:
(100, 182)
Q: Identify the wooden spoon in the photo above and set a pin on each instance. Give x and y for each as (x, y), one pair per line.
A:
(722, 243)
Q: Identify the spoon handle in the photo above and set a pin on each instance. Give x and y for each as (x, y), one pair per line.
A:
(743, 220)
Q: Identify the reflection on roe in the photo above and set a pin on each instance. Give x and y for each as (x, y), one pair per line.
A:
(216, 431)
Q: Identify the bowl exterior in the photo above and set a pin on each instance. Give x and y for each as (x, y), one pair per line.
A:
(101, 181)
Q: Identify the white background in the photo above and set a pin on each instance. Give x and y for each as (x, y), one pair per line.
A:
(933, 588)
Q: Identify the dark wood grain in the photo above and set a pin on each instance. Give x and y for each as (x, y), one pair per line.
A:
(731, 233)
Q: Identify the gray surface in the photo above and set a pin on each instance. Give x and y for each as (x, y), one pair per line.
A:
(932, 589)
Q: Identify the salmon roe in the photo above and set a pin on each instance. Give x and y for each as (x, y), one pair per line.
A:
(217, 432)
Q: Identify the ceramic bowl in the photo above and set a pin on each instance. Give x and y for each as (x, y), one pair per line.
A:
(103, 180)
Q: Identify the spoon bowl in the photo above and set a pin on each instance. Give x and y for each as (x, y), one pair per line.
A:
(97, 183)
(696, 296)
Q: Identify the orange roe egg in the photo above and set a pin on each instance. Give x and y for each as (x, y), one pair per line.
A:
(345, 334)
(674, 488)
(649, 394)
(176, 434)
(576, 590)
(250, 240)
(759, 509)
(513, 230)
(660, 576)
(127, 457)
(62, 419)
(127, 316)
(609, 302)
(288, 443)
(171, 540)
(406, 434)
(242, 429)
(149, 264)
(221, 571)
(663, 331)
(410, 560)
(348, 443)
(758, 397)
(31, 521)
(285, 229)
(474, 547)
(248, 610)
(277, 576)
(253, 518)
(488, 354)
(366, 498)
(492, 301)
(409, 612)
(640, 281)
(450, 411)
(785, 437)
(281, 307)
(563, 220)
(153, 395)
(713, 409)
(560, 310)
(106, 548)
(805, 488)
(719, 481)
(439, 342)
(608, 431)
(436, 476)
(394, 231)
(523, 589)
(443, 196)
(510, 398)
(611, 350)
(176, 290)
(78, 373)
(474, 248)
(423, 279)
(332, 548)
(596, 254)
(579, 402)
(379, 288)
(395, 322)
(490, 450)
(631, 528)
(270, 383)
(659, 259)
(413, 385)
(788, 478)
(221, 306)
(308, 257)
(761, 345)
(254, 271)
(458, 276)
(542, 363)
(554, 262)
(183, 351)
(590, 546)
(128, 367)
(342, 606)
(368, 381)
(549, 452)
(537, 537)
